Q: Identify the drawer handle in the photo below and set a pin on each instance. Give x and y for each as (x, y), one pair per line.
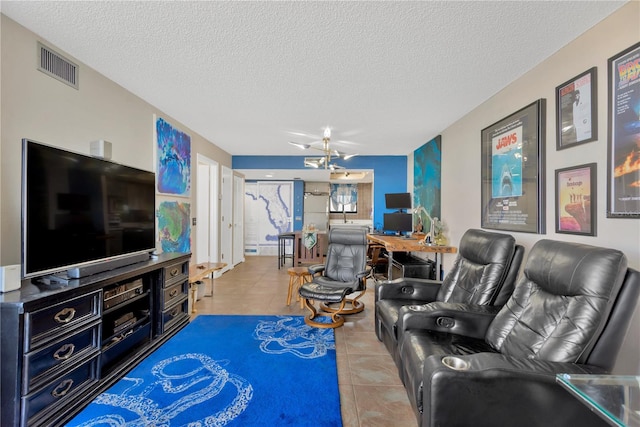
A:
(174, 271)
(64, 352)
(173, 293)
(65, 315)
(63, 388)
(175, 311)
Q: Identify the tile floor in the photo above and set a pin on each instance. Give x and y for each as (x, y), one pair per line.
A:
(371, 393)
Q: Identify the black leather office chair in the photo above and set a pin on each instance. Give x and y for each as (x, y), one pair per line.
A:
(483, 273)
(569, 313)
(343, 273)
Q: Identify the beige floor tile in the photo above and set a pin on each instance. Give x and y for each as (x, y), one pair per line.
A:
(383, 406)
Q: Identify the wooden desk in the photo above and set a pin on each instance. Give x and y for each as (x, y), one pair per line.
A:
(399, 244)
(200, 271)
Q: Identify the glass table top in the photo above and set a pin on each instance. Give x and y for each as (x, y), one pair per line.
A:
(616, 398)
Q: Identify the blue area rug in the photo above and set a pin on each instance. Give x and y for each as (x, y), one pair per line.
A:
(228, 371)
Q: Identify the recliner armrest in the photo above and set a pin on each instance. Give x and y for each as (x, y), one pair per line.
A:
(315, 269)
(454, 318)
(408, 288)
(515, 391)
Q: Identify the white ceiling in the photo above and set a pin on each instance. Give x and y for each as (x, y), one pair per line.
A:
(250, 76)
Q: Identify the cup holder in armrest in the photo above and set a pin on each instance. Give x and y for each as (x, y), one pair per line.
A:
(417, 307)
(455, 363)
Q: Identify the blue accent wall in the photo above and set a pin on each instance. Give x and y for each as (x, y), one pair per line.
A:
(389, 175)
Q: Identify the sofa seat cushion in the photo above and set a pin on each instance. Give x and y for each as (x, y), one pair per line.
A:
(418, 344)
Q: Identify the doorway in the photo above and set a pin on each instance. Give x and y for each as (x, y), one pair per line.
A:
(207, 210)
(226, 218)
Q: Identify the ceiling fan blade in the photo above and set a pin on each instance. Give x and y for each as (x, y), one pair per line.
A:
(345, 142)
(299, 145)
(311, 162)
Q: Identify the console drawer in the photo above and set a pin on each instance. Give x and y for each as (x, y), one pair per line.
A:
(45, 324)
(61, 390)
(173, 293)
(173, 314)
(64, 351)
(175, 273)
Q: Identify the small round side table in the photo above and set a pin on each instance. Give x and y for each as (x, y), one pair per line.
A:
(297, 276)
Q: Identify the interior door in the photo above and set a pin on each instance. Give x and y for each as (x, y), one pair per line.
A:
(238, 219)
(226, 218)
(206, 228)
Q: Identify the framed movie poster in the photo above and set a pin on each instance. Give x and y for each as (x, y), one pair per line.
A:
(576, 200)
(513, 169)
(576, 110)
(623, 160)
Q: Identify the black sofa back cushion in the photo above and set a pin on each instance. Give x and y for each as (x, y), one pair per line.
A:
(560, 303)
(479, 269)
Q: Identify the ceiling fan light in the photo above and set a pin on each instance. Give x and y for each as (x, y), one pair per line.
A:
(348, 156)
(327, 133)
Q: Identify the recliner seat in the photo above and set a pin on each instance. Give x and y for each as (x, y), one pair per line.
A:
(343, 273)
(569, 313)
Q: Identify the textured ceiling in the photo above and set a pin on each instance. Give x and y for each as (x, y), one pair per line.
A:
(250, 76)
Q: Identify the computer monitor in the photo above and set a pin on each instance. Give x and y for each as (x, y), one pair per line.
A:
(398, 201)
(398, 222)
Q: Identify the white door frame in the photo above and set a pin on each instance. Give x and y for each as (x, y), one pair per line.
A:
(207, 234)
(238, 219)
(226, 218)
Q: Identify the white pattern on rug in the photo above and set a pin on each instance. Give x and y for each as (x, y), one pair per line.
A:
(292, 335)
(204, 382)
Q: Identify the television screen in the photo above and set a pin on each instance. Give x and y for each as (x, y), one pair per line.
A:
(79, 210)
(397, 200)
(397, 222)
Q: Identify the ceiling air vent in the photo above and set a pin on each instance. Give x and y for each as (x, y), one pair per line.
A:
(57, 66)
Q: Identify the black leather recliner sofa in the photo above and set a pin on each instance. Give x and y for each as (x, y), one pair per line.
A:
(484, 273)
(569, 313)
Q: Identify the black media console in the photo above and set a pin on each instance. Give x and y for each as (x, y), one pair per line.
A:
(62, 345)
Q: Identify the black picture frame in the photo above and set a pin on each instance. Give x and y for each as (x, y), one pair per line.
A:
(576, 200)
(513, 171)
(577, 110)
(623, 152)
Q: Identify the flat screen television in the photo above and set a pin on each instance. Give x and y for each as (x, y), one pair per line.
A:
(397, 201)
(81, 214)
(398, 222)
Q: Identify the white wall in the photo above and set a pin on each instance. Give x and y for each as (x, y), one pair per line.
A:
(38, 107)
(461, 158)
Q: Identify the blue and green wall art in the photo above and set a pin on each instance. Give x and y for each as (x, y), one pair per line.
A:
(427, 162)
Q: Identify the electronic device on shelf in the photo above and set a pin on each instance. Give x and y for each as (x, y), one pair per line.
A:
(83, 215)
(122, 293)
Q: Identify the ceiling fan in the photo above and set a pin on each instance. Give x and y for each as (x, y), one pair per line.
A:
(325, 160)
